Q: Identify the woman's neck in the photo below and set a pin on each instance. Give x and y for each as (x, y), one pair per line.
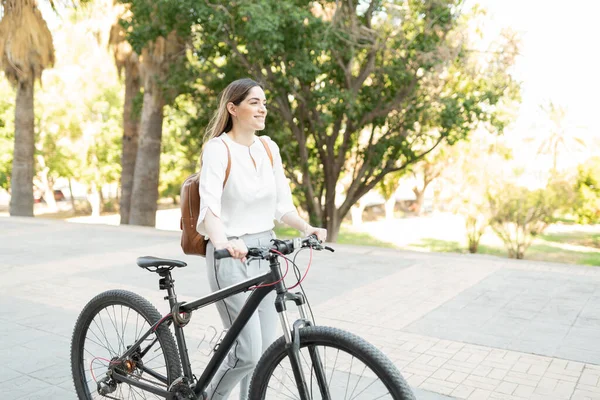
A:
(242, 137)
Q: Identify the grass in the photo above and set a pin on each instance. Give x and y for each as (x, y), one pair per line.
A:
(578, 238)
(573, 246)
(345, 236)
(545, 248)
(542, 249)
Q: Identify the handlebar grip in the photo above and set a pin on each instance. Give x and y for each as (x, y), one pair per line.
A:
(222, 253)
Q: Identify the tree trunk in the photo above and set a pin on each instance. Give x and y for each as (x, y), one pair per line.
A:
(390, 204)
(332, 222)
(473, 245)
(48, 195)
(130, 143)
(100, 200)
(72, 197)
(46, 185)
(356, 212)
(94, 199)
(144, 195)
(21, 181)
(420, 194)
(333, 229)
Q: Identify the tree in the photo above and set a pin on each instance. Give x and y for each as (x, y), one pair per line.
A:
(6, 133)
(387, 187)
(586, 206)
(519, 215)
(397, 72)
(159, 60)
(26, 49)
(470, 170)
(180, 154)
(127, 62)
(558, 137)
(425, 171)
(78, 136)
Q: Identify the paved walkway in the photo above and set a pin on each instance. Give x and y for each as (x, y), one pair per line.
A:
(458, 326)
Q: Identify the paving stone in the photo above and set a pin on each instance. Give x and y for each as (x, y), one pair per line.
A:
(456, 326)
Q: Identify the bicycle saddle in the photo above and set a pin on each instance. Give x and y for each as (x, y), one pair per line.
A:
(148, 261)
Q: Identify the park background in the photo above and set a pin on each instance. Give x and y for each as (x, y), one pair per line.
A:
(454, 126)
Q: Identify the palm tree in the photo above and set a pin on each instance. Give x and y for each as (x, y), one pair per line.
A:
(127, 62)
(560, 137)
(26, 49)
(157, 60)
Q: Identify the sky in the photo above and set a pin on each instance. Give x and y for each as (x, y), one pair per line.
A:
(559, 59)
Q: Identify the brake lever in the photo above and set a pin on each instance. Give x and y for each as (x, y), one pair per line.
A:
(316, 244)
(250, 259)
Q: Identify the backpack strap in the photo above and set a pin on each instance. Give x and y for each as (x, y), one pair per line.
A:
(267, 148)
(228, 163)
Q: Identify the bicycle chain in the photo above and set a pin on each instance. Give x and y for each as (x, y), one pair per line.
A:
(139, 378)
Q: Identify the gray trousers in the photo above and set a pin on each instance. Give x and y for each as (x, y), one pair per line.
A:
(260, 331)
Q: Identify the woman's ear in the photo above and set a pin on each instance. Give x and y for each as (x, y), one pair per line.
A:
(231, 108)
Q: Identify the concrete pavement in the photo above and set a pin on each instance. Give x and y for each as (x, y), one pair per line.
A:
(457, 326)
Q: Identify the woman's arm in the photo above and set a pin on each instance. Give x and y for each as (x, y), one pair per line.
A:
(212, 176)
(216, 232)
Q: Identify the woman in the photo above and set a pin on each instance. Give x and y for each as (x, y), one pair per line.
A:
(240, 215)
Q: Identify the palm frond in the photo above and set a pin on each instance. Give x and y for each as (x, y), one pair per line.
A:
(26, 47)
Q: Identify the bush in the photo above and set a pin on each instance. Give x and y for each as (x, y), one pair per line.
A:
(586, 206)
(518, 214)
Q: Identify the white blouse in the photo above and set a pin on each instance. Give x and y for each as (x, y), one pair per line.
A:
(253, 196)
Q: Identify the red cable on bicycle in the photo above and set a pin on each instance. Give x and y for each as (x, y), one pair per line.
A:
(160, 322)
(92, 362)
(287, 268)
(307, 268)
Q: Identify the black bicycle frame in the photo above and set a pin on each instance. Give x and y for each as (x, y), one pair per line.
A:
(258, 294)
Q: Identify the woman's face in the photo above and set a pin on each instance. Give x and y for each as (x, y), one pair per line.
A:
(252, 111)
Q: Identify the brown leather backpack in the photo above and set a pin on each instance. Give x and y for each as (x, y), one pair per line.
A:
(192, 242)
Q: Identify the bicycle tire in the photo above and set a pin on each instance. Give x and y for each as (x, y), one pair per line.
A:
(335, 338)
(139, 305)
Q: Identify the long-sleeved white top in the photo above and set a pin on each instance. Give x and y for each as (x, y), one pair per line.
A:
(254, 195)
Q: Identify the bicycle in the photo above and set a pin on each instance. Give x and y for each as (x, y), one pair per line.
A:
(144, 360)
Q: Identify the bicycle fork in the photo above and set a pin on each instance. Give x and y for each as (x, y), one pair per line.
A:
(292, 340)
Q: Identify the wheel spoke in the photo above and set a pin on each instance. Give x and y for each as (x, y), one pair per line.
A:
(349, 375)
(350, 371)
(104, 341)
(103, 330)
(357, 382)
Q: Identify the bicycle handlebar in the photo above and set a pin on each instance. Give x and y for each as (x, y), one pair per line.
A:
(284, 247)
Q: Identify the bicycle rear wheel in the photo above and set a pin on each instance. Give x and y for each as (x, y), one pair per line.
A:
(106, 328)
(350, 368)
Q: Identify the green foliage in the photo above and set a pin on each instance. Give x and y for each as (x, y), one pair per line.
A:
(7, 132)
(367, 88)
(389, 184)
(468, 171)
(518, 214)
(347, 236)
(180, 146)
(587, 187)
(79, 136)
(539, 250)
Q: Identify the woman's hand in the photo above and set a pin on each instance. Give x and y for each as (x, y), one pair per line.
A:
(236, 247)
(319, 232)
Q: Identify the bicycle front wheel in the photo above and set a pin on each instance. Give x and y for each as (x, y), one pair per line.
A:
(107, 327)
(335, 365)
